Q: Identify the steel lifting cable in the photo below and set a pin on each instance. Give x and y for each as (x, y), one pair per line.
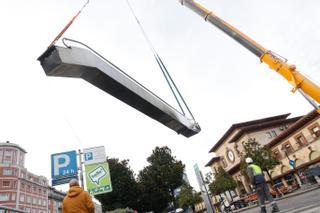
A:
(68, 25)
(163, 68)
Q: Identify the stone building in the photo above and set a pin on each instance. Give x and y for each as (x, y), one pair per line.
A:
(290, 139)
(229, 147)
(301, 144)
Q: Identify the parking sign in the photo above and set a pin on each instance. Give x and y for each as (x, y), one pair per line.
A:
(64, 166)
(94, 155)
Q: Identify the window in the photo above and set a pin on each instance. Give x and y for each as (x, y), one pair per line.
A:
(34, 201)
(1, 155)
(13, 196)
(271, 134)
(287, 147)
(277, 153)
(28, 199)
(268, 134)
(224, 162)
(22, 186)
(7, 172)
(315, 130)
(7, 157)
(4, 196)
(6, 183)
(21, 198)
(301, 140)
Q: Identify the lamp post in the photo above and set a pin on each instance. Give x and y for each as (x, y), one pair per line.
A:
(294, 166)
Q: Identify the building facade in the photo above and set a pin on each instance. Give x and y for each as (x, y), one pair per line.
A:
(295, 139)
(19, 188)
(55, 199)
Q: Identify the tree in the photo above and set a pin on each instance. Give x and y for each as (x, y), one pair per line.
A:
(223, 182)
(124, 187)
(188, 197)
(153, 196)
(161, 178)
(261, 155)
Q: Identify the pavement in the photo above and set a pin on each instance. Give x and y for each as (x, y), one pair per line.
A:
(292, 207)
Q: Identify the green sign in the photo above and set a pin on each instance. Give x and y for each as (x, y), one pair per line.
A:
(98, 178)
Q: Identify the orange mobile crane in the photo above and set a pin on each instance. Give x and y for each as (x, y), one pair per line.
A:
(305, 86)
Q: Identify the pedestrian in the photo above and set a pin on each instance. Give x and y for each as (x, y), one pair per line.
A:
(259, 184)
(77, 200)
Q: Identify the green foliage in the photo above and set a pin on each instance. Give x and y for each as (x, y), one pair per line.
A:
(187, 196)
(159, 180)
(124, 187)
(261, 155)
(153, 190)
(223, 182)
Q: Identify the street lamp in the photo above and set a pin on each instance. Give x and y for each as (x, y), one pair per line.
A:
(293, 165)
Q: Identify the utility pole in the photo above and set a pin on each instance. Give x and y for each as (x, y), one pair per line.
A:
(205, 195)
(296, 175)
(80, 168)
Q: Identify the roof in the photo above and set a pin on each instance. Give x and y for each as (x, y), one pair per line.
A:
(214, 159)
(9, 144)
(248, 124)
(262, 126)
(293, 128)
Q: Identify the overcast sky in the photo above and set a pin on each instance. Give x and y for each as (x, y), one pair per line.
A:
(222, 82)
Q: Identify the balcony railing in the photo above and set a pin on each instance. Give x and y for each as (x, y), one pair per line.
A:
(4, 209)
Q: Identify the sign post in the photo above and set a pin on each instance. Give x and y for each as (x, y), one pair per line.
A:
(203, 188)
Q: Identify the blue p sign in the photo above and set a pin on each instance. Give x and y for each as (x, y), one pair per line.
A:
(64, 164)
(88, 156)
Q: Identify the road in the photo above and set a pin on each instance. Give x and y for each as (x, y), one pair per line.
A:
(308, 202)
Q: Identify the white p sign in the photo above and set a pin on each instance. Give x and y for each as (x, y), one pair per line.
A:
(60, 161)
(63, 164)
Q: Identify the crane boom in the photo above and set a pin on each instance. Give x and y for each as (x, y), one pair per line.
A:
(275, 62)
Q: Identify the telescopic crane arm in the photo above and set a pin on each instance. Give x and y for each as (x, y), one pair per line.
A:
(310, 90)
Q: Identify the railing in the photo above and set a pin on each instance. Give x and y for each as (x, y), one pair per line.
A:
(4, 209)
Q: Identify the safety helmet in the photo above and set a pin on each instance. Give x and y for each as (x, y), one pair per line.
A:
(249, 160)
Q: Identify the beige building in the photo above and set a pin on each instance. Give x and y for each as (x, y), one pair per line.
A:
(296, 139)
